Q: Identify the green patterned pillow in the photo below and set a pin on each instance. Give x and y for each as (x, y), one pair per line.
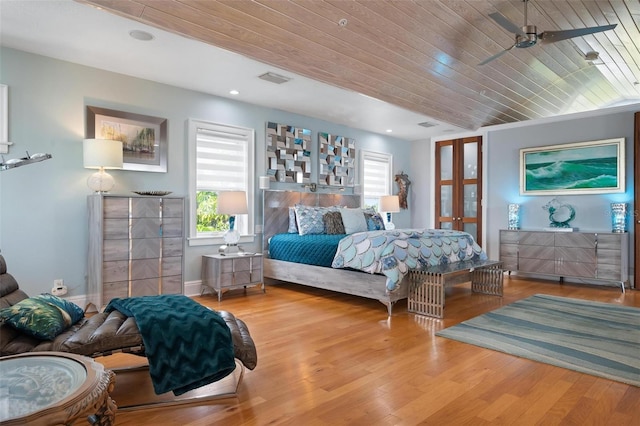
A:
(43, 317)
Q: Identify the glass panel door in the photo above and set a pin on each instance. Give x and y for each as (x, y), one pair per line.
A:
(459, 185)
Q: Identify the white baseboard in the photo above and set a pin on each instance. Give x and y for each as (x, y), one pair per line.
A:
(192, 288)
(78, 300)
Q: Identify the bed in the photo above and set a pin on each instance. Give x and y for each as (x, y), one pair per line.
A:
(344, 272)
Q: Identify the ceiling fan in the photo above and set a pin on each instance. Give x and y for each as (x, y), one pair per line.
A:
(528, 36)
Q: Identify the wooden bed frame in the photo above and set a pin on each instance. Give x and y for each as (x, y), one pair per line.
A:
(276, 221)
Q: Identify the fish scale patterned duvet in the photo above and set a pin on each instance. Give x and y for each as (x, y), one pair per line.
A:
(394, 252)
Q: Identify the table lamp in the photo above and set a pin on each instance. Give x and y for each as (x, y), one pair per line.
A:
(619, 217)
(231, 203)
(389, 204)
(101, 154)
(513, 219)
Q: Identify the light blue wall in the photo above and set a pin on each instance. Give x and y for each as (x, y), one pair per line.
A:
(43, 215)
(502, 150)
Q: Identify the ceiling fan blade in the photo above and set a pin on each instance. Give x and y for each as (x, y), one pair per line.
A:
(506, 24)
(496, 56)
(553, 36)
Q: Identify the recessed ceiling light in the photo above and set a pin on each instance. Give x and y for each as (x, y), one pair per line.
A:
(389, 130)
(234, 92)
(141, 35)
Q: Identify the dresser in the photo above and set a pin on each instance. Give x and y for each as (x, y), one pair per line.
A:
(598, 256)
(135, 246)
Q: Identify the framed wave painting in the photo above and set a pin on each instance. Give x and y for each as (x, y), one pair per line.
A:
(595, 167)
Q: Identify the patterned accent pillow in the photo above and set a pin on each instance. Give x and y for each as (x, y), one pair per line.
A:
(353, 220)
(293, 226)
(374, 221)
(43, 317)
(333, 223)
(309, 219)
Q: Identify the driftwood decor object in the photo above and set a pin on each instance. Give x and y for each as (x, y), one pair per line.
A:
(403, 184)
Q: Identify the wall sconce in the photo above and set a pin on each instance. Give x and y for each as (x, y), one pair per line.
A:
(313, 187)
(619, 213)
(231, 203)
(514, 216)
(101, 154)
(265, 182)
(389, 204)
(17, 162)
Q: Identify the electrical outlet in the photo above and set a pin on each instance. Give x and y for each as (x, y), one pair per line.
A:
(59, 283)
(59, 291)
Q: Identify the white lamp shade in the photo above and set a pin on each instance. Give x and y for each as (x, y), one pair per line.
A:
(103, 153)
(389, 204)
(232, 202)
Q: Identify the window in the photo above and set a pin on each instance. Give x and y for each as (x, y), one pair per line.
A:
(376, 177)
(220, 159)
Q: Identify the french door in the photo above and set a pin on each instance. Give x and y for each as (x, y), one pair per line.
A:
(459, 185)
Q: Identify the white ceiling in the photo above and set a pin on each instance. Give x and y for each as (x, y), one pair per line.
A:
(75, 32)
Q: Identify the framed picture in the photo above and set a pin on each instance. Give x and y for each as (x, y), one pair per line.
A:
(595, 167)
(144, 138)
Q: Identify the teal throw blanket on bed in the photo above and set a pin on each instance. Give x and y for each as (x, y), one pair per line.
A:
(187, 344)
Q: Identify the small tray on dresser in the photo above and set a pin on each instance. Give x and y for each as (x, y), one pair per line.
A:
(152, 193)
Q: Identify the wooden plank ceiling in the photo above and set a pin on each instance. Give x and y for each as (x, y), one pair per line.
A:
(423, 55)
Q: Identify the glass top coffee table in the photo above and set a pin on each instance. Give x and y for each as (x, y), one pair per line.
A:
(46, 388)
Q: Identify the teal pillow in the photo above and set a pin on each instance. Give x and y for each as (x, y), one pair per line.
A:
(43, 317)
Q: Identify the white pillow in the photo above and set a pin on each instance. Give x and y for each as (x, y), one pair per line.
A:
(353, 220)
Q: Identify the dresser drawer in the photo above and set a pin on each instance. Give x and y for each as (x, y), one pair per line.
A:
(570, 239)
(536, 238)
(576, 269)
(537, 266)
(537, 252)
(508, 250)
(571, 254)
(509, 237)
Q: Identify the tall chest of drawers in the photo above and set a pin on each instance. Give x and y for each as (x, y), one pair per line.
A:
(600, 256)
(135, 247)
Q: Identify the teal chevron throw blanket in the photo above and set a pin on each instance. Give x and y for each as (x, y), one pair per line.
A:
(187, 344)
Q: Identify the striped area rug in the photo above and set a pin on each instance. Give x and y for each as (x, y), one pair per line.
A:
(600, 339)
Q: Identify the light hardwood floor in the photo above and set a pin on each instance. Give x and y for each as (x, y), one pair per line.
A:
(331, 359)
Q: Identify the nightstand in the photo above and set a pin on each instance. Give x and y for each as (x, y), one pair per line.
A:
(229, 271)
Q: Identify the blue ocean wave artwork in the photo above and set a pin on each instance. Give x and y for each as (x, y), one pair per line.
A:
(592, 167)
(577, 174)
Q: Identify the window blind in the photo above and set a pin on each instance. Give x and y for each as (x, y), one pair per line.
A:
(221, 160)
(376, 175)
